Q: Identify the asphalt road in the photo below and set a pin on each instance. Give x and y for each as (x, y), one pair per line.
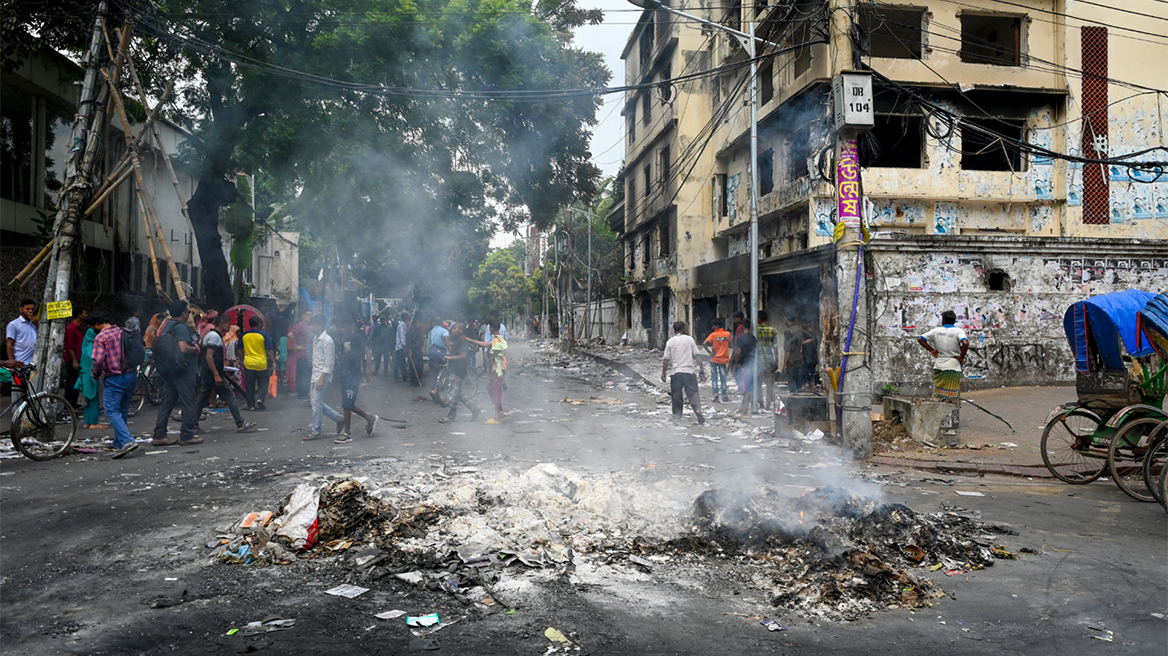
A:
(107, 557)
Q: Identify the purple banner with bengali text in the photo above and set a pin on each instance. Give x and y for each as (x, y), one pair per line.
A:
(847, 178)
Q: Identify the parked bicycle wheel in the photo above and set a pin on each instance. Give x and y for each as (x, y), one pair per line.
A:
(1066, 449)
(1164, 488)
(1125, 457)
(1155, 459)
(445, 387)
(44, 426)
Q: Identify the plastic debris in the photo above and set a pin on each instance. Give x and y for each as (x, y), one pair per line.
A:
(772, 625)
(556, 636)
(423, 620)
(299, 523)
(969, 494)
(1107, 636)
(347, 591)
(390, 614)
(637, 560)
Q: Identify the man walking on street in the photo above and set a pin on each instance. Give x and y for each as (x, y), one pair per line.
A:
(743, 362)
(352, 369)
(948, 346)
(212, 376)
(439, 345)
(457, 362)
(71, 358)
(298, 356)
(324, 356)
(399, 348)
(119, 383)
(259, 356)
(679, 361)
(719, 345)
(179, 371)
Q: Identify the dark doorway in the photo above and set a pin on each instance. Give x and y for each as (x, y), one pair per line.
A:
(666, 324)
(704, 312)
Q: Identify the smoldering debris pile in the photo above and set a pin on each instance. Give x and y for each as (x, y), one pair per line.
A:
(838, 555)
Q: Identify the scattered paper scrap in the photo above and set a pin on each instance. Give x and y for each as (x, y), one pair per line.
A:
(423, 620)
(555, 636)
(390, 614)
(347, 591)
(969, 494)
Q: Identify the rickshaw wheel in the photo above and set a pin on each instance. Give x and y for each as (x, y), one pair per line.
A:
(1164, 488)
(1125, 457)
(1059, 439)
(1155, 460)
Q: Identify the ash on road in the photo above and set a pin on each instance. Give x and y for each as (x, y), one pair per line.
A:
(591, 491)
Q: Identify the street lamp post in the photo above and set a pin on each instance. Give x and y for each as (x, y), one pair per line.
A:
(750, 43)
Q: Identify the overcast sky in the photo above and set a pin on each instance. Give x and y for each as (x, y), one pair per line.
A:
(609, 38)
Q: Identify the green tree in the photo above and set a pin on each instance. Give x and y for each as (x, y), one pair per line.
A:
(499, 284)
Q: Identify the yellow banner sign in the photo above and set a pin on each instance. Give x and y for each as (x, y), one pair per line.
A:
(59, 310)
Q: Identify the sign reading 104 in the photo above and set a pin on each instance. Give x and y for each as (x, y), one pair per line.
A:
(852, 95)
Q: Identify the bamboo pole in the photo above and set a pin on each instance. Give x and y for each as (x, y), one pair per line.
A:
(153, 259)
(139, 141)
(109, 189)
(140, 182)
(161, 148)
(27, 270)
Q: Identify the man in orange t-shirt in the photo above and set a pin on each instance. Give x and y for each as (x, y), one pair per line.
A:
(719, 358)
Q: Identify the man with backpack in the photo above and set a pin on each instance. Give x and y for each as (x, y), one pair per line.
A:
(120, 378)
(212, 377)
(175, 351)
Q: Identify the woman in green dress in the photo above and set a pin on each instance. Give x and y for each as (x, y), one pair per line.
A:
(87, 384)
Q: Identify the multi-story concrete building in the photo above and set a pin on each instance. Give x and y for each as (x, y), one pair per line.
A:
(983, 172)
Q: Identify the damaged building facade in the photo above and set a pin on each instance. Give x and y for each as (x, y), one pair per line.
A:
(965, 212)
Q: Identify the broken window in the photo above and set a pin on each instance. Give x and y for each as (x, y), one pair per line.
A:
(716, 92)
(998, 281)
(646, 312)
(666, 85)
(991, 39)
(646, 110)
(766, 172)
(663, 165)
(766, 82)
(664, 243)
(893, 32)
(798, 150)
(802, 57)
(645, 249)
(646, 47)
(648, 180)
(734, 16)
(720, 191)
(632, 123)
(992, 144)
(894, 142)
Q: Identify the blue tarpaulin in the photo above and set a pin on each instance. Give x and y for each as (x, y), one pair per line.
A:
(1100, 322)
(1152, 325)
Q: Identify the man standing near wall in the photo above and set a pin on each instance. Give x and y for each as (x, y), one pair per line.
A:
(679, 362)
(948, 345)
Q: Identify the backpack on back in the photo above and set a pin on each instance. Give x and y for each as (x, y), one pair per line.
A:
(133, 350)
(167, 355)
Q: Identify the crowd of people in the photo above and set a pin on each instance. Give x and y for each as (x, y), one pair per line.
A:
(210, 359)
(734, 354)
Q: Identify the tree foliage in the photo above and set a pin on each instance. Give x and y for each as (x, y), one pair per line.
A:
(499, 284)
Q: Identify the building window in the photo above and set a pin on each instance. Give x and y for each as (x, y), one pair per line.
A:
(893, 32)
(766, 82)
(720, 194)
(991, 39)
(646, 312)
(798, 150)
(632, 123)
(716, 92)
(648, 180)
(630, 260)
(645, 108)
(663, 166)
(645, 249)
(802, 57)
(983, 150)
(646, 47)
(766, 172)
(734, 16)
(894, 142)
(666, 85)
(664, 243)
(760, 7)
(16, 145)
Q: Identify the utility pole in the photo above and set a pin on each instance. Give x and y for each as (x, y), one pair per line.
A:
(70, 204)
(852, 95)
(751, 49)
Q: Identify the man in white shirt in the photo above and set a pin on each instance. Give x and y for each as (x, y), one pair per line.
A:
(324, 356)
(680, 361)
(948, 345)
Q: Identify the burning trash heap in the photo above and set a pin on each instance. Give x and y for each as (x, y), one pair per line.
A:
(830, 553)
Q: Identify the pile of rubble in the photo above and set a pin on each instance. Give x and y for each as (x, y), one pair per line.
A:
(838, 555)
(829, 552)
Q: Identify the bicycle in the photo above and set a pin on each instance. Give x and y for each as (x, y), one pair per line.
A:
(447, 382)
(43, 424)
(149, 389)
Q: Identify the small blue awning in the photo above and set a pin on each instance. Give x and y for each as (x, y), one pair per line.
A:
(1152, 325)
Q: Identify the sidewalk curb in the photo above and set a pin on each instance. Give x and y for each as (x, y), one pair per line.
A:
(937, 465)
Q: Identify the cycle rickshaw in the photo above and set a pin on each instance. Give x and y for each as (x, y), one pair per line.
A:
(1120, 385)
(1152, 330)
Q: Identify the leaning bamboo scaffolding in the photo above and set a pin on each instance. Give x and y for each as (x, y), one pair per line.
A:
(150, 247)
(109, 189)
(159, 145)
(116, 176)
(143, 190)
(35, 264)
